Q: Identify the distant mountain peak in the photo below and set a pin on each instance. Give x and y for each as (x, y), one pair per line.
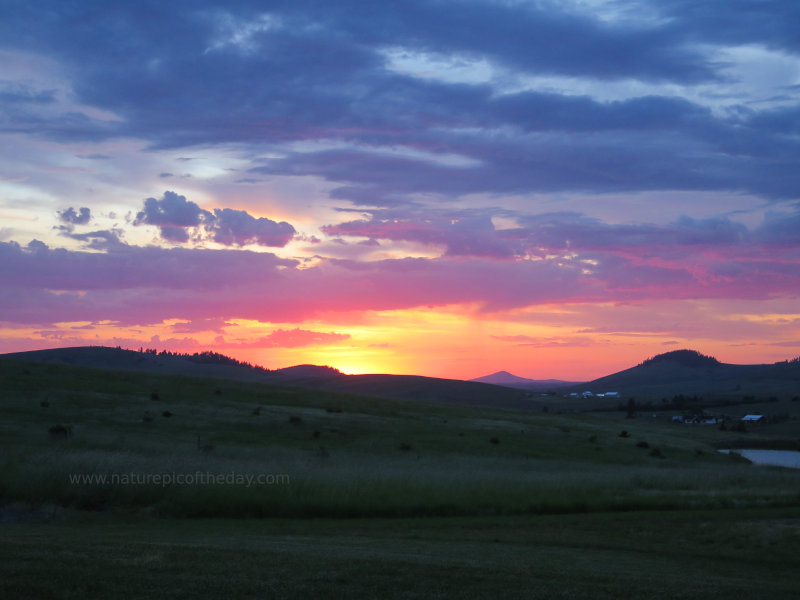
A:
(686, 358)
(500, 378)
(504, 378)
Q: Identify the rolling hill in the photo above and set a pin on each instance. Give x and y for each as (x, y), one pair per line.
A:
(685, 372)
(396, 387)
(690, 373)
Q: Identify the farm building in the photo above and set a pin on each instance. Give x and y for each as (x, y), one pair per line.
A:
(753, 418)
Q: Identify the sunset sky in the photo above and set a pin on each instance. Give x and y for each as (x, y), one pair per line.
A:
(446, 188)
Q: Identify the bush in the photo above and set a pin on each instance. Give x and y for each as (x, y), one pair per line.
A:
(60, 432)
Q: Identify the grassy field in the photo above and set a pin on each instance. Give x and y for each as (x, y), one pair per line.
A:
(167, 486)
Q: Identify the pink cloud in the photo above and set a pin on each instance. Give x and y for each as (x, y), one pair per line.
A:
(292, 338)
(144, 285)
(460, 234)
(211, 324)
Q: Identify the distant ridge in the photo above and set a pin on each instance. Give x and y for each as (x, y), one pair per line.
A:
(507, 379)
(213, 365)
(664, 375)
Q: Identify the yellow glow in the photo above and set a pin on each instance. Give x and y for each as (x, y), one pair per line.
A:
(578, 341)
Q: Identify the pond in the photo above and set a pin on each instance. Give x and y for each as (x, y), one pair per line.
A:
(776, 458)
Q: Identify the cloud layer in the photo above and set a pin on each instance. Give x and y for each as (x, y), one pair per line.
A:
(326, 160)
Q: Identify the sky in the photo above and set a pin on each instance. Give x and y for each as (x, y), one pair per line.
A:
(443, 187)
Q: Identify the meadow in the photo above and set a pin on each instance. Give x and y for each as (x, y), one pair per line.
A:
(117, 483)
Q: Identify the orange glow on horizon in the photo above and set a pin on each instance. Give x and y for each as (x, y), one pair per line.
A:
(459, 341)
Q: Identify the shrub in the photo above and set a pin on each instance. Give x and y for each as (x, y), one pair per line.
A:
(60, 431)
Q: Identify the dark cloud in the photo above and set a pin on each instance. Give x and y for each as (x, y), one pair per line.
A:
(186, 74)
(237, 228)
(172, 214)
(780, 228)
(20, 93)
(771, 23)
(175, 216)
(72, 217)
(472, 233)
(98, 240)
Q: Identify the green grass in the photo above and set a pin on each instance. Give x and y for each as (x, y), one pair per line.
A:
(337, 455)
(371, 498)
(709, 555)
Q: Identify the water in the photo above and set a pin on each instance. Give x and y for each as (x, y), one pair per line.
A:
(776, 458)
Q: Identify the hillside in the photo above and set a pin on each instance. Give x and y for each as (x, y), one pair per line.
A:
(428, 389)
(116, 483)
(691, 373)
(397, 387)
(130, 360)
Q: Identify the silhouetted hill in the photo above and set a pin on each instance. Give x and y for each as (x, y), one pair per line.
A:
(428, 389)
(507, 379)
(202, 364)
(209, 364)
(681, 372)
(685, 358)
(690, 373)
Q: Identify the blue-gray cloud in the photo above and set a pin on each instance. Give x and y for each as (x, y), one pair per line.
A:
(238, 228)
(173, 214)
(72, 217)
(182, 74)
(179, 219)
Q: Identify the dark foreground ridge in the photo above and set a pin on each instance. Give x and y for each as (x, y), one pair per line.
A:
(214, 365)
(690, 372)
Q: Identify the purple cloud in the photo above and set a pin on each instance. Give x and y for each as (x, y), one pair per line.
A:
(72, 217)
(174, 215)
(238, 228)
